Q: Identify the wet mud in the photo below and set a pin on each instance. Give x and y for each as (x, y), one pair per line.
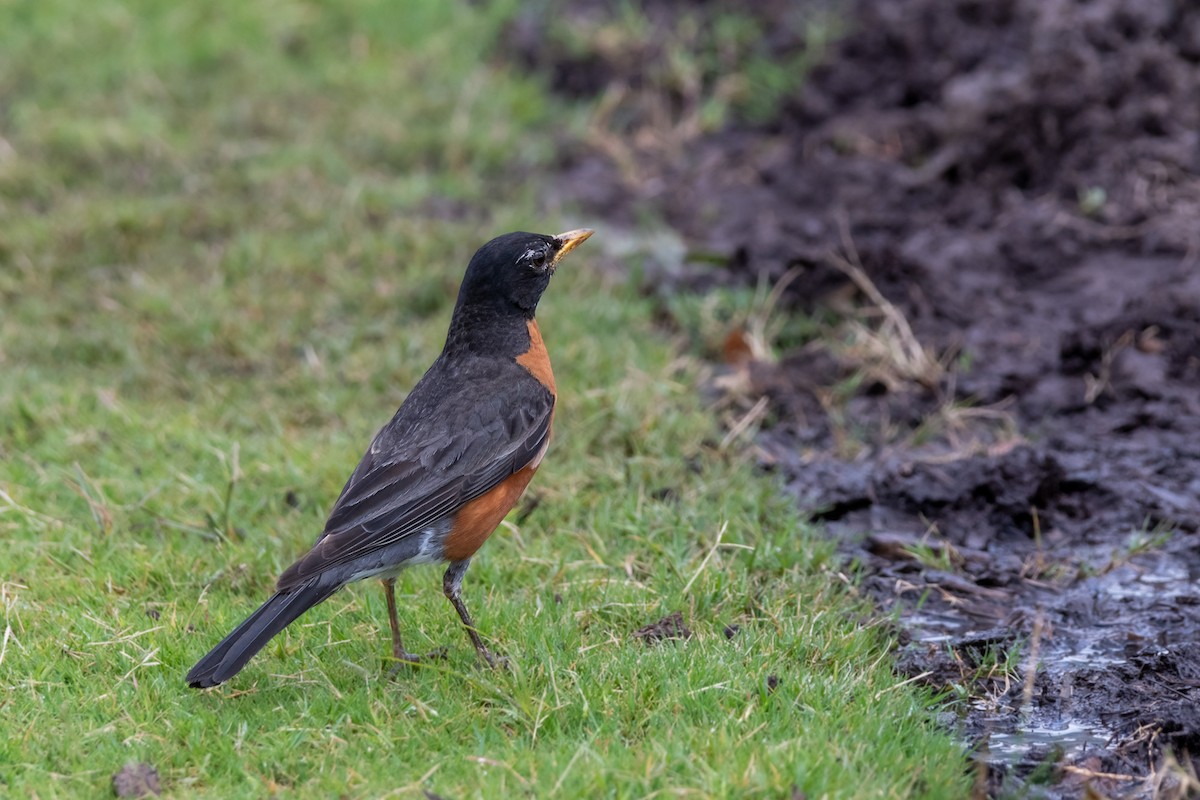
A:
(998, 204)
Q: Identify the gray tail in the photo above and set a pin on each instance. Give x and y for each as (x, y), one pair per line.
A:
(227, 658)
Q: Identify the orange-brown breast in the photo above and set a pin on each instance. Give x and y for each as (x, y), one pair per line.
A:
(536, 359)
(478, 519)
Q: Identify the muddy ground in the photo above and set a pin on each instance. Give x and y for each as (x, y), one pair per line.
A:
(999, 203)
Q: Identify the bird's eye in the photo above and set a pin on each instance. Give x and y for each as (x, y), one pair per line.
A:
(537, 259)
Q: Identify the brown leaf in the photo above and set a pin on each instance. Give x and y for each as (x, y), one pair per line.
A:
(737, 348)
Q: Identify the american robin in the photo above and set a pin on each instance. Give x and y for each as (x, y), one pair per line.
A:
(440, 477)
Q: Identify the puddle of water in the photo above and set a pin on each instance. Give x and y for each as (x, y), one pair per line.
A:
(998, 739)
(934, 628)
(1095, 655)
(1073, 738)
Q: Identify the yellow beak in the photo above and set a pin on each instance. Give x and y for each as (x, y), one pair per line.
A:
(569, 241)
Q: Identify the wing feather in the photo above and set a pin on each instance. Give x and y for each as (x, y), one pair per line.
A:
(402, 488)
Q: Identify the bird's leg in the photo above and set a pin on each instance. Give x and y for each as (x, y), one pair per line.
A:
(399, 654)
(452, 588)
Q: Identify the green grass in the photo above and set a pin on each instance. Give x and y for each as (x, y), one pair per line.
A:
(230, 236)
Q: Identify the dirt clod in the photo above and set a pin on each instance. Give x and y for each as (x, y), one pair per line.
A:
(136, 780)
(669, 627)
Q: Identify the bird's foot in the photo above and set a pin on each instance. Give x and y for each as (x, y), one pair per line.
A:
(492, 660)
(403, 658)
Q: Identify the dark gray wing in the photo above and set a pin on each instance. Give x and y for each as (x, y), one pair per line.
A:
(407, 481)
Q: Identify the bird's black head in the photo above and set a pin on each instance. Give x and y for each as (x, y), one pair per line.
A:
(509, 273)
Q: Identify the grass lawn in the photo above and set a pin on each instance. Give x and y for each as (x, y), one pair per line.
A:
(230, 237)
